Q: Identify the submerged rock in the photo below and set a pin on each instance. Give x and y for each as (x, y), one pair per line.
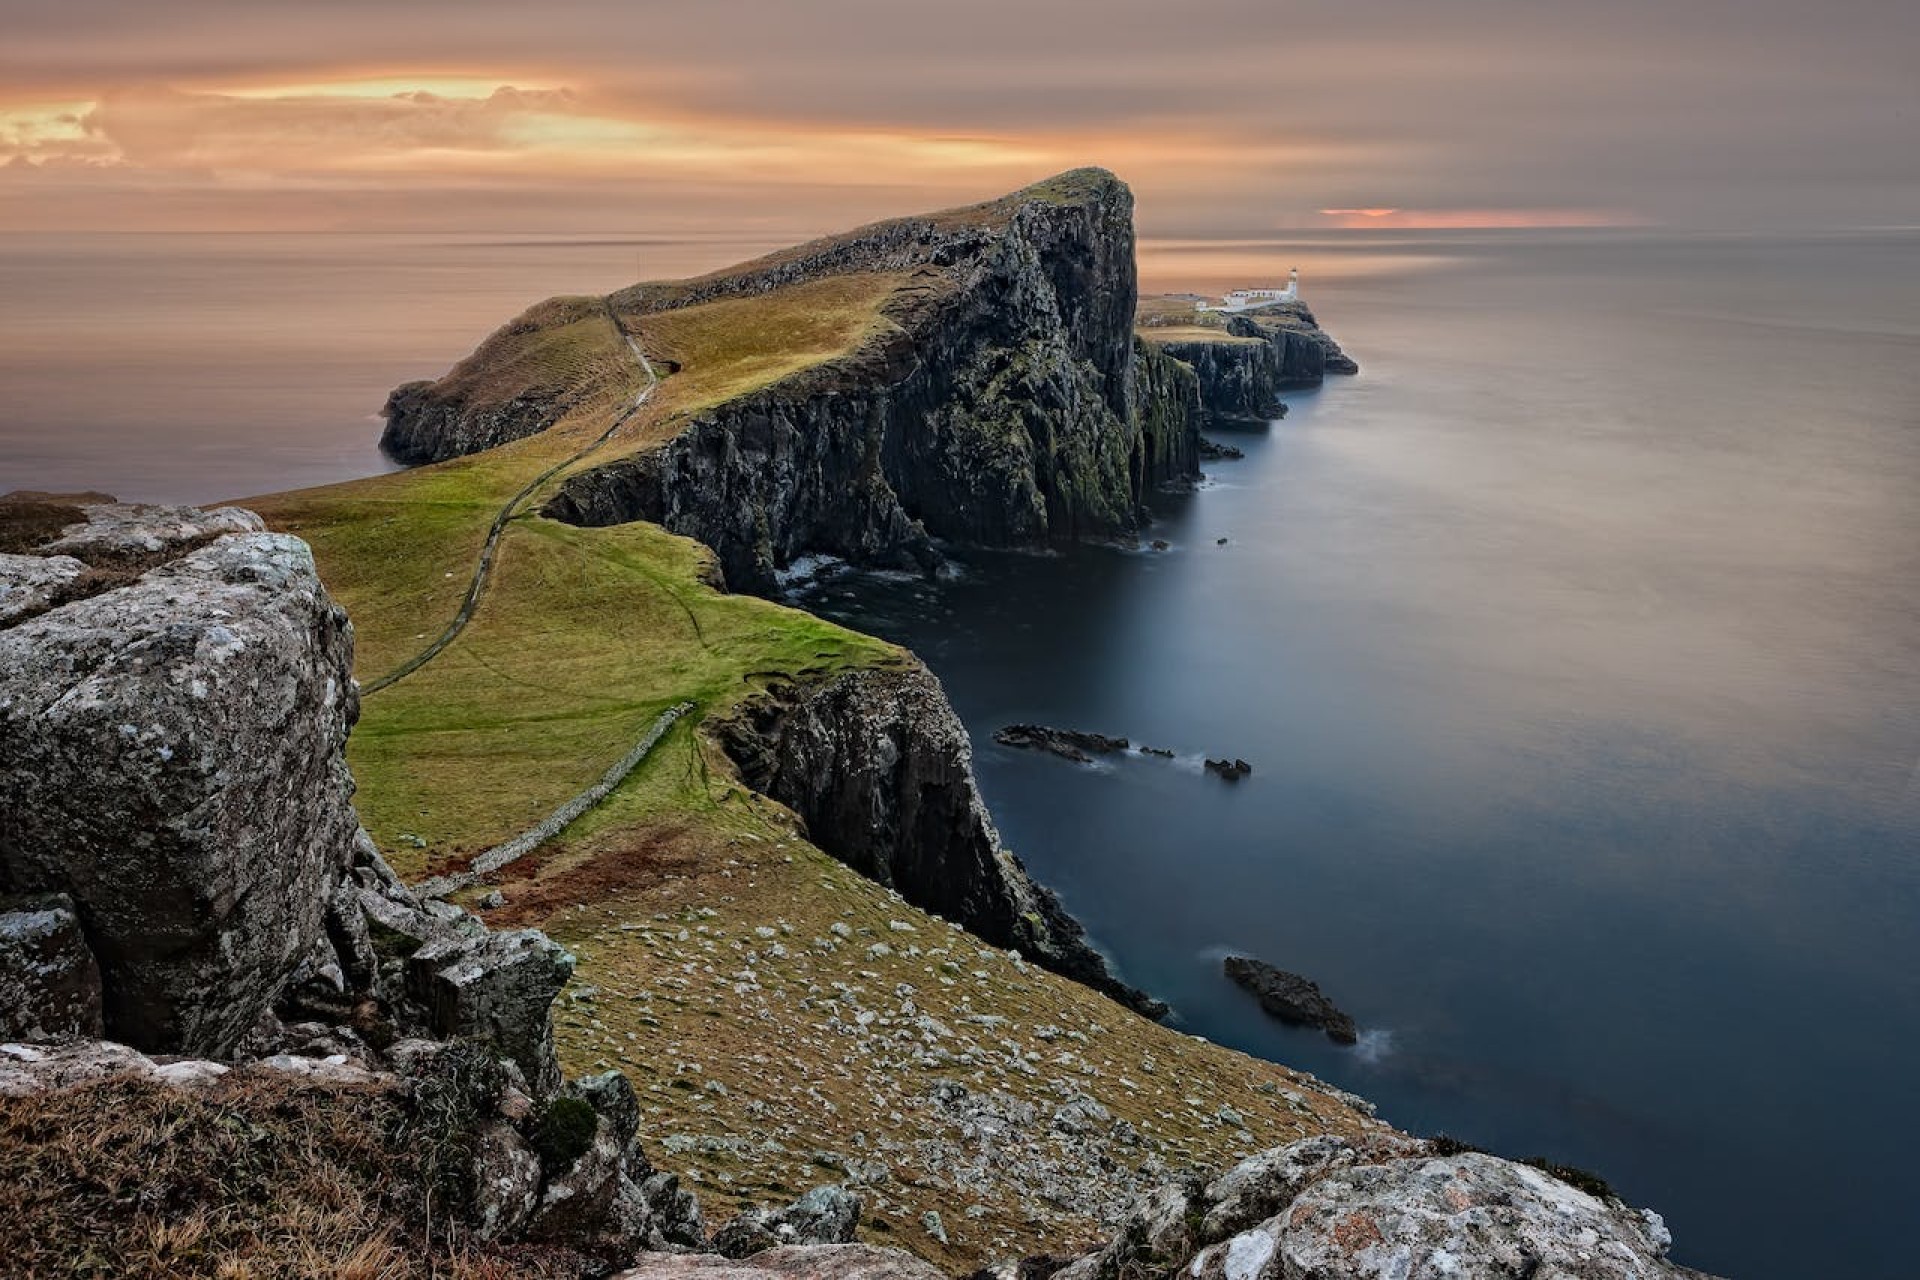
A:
(1291, 998)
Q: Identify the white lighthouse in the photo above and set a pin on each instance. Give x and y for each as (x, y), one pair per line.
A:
(1246, 299)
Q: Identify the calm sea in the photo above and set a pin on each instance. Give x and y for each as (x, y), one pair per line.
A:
(1575, 645)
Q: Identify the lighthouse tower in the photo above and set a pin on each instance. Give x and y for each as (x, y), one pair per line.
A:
(1292, 292)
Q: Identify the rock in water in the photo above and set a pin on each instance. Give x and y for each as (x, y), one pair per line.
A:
(171, 759)
(1068, 744)
(1291, 998)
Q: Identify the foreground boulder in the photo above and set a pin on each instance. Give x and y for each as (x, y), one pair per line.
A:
(1386, 1209)
(171, 760)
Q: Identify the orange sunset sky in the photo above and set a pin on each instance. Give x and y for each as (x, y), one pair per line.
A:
(1229, 118)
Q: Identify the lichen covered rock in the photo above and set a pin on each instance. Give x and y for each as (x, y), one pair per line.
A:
(171, 759)
(798, 1262)
(49, 983)
(1389, 1208)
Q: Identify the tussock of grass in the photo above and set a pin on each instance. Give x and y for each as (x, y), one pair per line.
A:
(253, 1175)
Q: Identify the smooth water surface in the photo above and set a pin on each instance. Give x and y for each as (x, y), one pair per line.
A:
(1576, 646)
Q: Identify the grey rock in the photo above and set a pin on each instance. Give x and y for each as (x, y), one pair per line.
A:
(122, 531)
(611, 1096)
(1384, 1209)
(1291, 998)
(880, 769)
(506, 1182)
(824, 1215)
(800, 1262)
(170, 757)
(27, 1069)
(1262, 1185)
(34, 584)
(1464, 1217)
(674, 1213)
(748, 1232)
(578, 1202)
(497, 989)
(49, 983)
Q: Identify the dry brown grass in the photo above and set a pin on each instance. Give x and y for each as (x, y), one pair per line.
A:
(254, 1176)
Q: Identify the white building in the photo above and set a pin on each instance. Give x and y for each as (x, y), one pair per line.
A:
(1242, 299)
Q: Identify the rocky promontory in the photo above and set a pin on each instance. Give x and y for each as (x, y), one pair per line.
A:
(1244, 360)
(1000, 398)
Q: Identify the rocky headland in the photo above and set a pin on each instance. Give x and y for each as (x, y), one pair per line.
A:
(787, 953)
(1245, 359)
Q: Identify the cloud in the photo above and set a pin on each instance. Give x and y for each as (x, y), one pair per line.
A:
(1228, 115)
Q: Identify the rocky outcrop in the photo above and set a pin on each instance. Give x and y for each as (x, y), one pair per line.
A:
(49, 982)
(1244, 361)
(797, 1262)
(1326, 1209)
(1076, 745)
(520, 381)
(1291, 998)
(825, 1215)
(879, 768)
(1239, 378)
(1307, 353)
(1007, 402)
(170, 759)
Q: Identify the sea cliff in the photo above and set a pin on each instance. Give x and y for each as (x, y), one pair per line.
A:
(1002, 400)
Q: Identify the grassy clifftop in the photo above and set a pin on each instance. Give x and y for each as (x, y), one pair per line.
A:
(785, 1021)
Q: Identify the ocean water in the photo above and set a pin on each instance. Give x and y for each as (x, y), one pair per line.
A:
(1575, 645)
(1576, 648)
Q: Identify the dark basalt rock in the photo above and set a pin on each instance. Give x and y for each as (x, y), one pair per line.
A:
(1069, 744)
(1010, 405)
(1214, 451)
(1291, 998)
(49, 983)
(879, 768)
(1229, 770)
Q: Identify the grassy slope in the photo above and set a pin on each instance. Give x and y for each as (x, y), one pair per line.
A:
(583, 637)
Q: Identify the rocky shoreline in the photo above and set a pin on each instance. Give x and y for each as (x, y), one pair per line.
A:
(191, 915)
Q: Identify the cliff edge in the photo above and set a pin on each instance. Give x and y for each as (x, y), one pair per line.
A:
(996, 395)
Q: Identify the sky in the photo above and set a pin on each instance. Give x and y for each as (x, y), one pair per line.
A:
(1228, 117)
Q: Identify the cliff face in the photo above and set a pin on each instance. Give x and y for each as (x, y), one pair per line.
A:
(1007, 405)
(879, 768)
(1306, 352)
(520, 381)
(1237, 381)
